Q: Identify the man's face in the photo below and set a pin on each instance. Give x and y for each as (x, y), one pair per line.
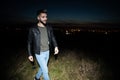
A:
(42, 17)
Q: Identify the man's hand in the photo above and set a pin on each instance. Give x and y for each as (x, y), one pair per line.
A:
(56, 51)
(30, 58)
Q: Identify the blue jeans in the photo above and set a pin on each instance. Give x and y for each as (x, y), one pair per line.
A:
(42, 60)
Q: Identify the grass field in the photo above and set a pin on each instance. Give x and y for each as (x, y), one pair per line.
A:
(70, 65)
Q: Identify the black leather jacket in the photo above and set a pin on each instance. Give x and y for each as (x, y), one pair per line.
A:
(34, 39)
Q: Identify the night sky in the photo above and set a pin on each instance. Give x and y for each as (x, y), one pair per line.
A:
(72, 11)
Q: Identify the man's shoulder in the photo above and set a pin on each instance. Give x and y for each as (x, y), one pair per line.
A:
(49, 26)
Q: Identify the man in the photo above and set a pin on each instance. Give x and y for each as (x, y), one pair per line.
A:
(40, 39)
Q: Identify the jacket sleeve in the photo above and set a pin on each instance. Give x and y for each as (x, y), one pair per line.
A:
(29, 41)
(53, 38)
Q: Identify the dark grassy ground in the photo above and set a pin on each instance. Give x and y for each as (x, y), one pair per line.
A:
(83, 56)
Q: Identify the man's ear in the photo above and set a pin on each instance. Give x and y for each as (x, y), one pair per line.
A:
(38, 18)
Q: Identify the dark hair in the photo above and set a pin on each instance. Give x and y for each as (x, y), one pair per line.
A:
(41, 11)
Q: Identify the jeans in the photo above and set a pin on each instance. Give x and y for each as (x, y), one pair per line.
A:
(42, 60)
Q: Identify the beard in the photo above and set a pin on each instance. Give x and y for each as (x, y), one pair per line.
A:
(42, 22)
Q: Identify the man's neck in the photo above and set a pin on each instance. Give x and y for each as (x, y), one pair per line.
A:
(40, 24)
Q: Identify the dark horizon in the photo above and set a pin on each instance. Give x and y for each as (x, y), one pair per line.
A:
(86, 26)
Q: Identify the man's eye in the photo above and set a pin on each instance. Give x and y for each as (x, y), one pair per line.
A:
(43, 17)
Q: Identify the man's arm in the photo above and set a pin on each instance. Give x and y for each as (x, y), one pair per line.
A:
(29, 45)
(56, 50)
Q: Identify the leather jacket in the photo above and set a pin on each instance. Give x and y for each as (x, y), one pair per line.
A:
(34, 39)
